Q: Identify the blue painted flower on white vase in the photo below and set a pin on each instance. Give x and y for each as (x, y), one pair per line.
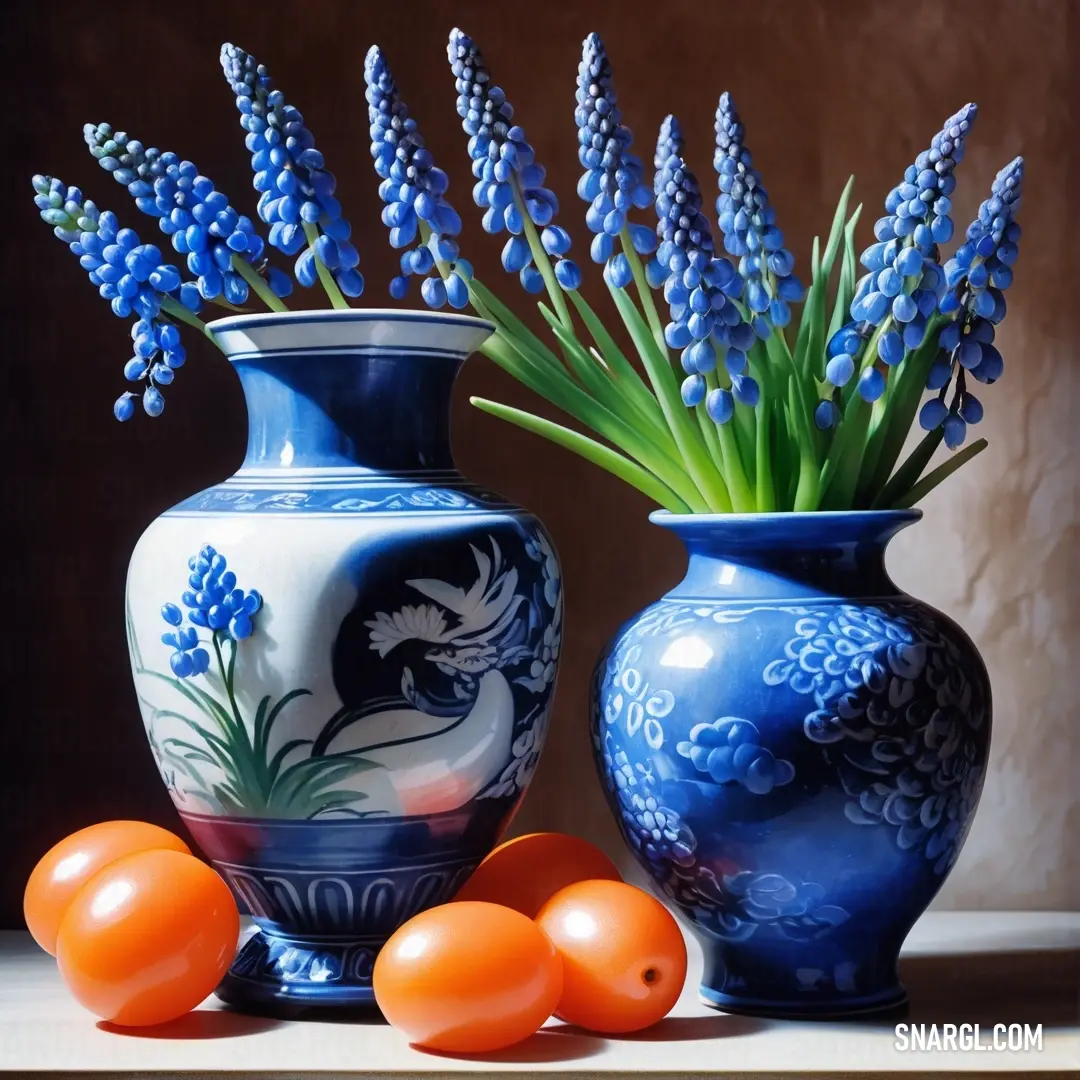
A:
(355, 691)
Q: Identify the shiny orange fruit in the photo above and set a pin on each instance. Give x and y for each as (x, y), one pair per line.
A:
(624, 958)
(467, 978)
(148, 937)
(68, 865)
(527, 871)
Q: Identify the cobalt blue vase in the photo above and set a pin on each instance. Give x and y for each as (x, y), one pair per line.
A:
(794, 750)
(344, 653)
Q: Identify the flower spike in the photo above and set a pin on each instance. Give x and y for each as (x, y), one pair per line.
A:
(748, 222)
(904, 279)
(297, 191)
(129, 274)
(669, 142)
(508, 179)
(413, 190)
(198, 218)
(976, 279)
(612, 183)
(699, 289)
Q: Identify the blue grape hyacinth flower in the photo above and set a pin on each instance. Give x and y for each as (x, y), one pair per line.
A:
(699, 288)
(198, 218)
(612, 183)
(296, 189)
(669, 143)
(131, 276)
(748, 223)
(508, 177)
(976, 279)
(905, 280)
(414, 191)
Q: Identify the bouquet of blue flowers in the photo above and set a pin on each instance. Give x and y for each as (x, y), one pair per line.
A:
(728, 401)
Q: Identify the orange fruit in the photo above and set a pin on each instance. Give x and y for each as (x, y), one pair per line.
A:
(68, 865)
(624, 958)
(148, 937)
(527, 871)
(467, 978)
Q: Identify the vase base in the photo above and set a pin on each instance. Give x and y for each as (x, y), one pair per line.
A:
(894, 997)
(287, 977)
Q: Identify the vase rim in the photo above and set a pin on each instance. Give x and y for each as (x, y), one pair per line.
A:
(786, 531)
(412, 315)
(669, 520)
(300, 335)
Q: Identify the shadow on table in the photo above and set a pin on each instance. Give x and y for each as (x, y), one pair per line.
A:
(200, 1024)
(547, 1045)
(1029, 987)
(683, 1029)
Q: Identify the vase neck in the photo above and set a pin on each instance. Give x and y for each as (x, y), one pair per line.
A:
(786, 556)
(362, 391)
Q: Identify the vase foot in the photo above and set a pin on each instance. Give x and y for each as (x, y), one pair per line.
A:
(287, 977)
(894, 997)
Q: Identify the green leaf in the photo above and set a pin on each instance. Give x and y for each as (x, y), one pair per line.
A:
(273, 766)
(607, 392)
(845, 289)
(908, 474)
(744, 424)
(803, 336)
(687, 437)
(275, 712)
(904, 400)
(845, 456)
(814, 360)
(622, 467)
(625, 372)
(504, 316)
(942, 472)
(259, 736)
(766, 496)
(201, 700)
(836, 234)
(806, 497)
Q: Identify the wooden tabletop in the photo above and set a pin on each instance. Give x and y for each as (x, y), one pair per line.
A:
(1012, 968)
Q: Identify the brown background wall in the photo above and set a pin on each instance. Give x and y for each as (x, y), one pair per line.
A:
(825, 88)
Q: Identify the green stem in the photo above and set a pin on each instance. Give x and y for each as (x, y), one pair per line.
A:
(325, 277)
(597, 453)
(641, 283)
(181, 314)
(540, 257)
(226, 679)
(255, 280)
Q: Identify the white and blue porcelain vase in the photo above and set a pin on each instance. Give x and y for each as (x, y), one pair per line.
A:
(345, 653)
(794, 750)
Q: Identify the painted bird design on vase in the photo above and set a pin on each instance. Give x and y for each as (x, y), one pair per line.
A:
(443, 740)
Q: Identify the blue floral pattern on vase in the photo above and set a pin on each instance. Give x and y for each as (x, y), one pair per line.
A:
(729, 751)
(751, 737)
(896, 712)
